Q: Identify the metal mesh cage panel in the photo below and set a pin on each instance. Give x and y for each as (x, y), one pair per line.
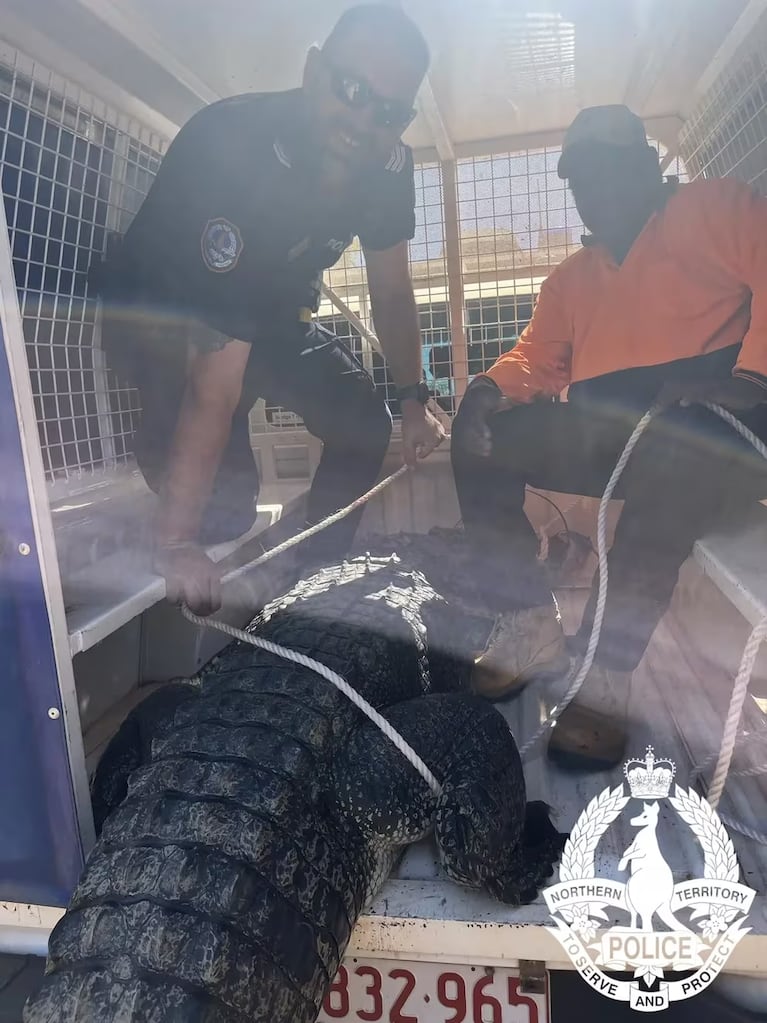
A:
(517, 222)
(72, 170)
(726, 134)
(348, 282)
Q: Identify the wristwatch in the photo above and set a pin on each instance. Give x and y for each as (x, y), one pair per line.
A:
(418, 392)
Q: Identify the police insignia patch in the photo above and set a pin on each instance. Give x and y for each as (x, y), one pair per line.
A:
(221, 245)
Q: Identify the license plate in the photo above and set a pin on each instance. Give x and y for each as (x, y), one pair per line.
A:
(395, 991)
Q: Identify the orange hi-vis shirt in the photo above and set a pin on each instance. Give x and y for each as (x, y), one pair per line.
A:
(694, 281)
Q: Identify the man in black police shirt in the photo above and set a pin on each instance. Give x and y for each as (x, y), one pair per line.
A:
(208, 298)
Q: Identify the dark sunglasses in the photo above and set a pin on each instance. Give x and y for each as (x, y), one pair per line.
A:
(356, 93)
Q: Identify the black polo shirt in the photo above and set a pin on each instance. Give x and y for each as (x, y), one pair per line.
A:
(232, 231)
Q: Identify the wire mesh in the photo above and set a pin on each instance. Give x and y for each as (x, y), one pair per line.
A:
(428, 267)
(517, 222)
(348, 281)
(72, 170)
(269, 418)
(540, 49)
(726, 134)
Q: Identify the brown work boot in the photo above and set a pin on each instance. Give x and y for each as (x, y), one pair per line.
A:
(523, 647)
(591, 733)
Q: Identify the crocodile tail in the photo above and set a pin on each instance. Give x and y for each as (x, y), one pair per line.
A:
(217, 891)
(488, 835)
(171, 932)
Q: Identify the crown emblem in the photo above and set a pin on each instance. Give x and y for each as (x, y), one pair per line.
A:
(651, 779)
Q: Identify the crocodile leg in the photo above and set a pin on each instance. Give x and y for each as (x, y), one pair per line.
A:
(131, 747)
(487, 835)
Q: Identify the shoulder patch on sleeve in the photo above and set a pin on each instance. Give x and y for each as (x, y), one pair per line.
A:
(221, 245)
(398, 159)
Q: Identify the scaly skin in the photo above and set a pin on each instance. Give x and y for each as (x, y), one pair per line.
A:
(247, 820)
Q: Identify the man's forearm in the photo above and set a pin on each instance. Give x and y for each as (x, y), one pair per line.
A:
(396, 319)
(398, 330)
(201, 435)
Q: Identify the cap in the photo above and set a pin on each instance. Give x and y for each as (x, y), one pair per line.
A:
(613, 125)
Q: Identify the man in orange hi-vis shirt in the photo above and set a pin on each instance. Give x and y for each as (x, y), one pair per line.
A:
(667, 301)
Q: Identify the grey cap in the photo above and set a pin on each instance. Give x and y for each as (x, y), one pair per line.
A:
(613, 125)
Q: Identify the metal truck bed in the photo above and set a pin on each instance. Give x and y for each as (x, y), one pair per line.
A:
(679, 697)
(418, 910)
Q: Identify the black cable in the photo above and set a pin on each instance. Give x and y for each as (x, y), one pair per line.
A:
(556, 507)
(543, 497)
(548, 500)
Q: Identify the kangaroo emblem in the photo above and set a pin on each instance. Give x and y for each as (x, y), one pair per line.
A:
(651, 885)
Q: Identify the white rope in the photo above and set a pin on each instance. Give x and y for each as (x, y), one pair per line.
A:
(577, 675)
(318, 527)
(759, 736)
(755, 640)
(740, 688)
(308, 662)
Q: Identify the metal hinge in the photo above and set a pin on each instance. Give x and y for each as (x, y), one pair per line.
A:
(532, 976)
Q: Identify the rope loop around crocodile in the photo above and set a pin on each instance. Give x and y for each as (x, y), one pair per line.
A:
(309, 662)
(335, 679)
(740, 688)
(580, 671)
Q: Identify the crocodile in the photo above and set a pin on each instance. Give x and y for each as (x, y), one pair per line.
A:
(246, 818)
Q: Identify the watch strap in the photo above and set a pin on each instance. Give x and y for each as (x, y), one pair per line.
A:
(417, 392)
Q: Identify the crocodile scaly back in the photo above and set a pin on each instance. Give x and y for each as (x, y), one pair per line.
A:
(248, 819)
